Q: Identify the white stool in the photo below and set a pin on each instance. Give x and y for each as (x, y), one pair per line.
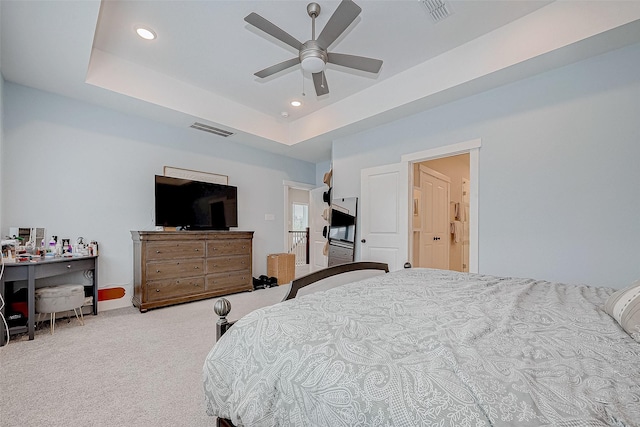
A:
(55, 299)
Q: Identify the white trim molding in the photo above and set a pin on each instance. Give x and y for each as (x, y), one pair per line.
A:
(473, 148)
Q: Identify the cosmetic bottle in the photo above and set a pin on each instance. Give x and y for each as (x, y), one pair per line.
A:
(52, 246)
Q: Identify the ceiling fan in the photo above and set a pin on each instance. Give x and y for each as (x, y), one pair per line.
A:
(313, 55)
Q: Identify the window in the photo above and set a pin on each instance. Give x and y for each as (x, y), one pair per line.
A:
(299, 217)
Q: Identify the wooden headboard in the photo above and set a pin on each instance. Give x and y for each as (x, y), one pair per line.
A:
(322, 279)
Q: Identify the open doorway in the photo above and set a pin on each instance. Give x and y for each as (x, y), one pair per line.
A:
(470, 233)
(305, 204)
(297, 228)
(440, 213)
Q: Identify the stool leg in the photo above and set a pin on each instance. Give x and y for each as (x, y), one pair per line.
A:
(53, 322)
(81, 321)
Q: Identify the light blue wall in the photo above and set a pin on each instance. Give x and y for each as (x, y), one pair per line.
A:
(321, 169)
(1, 119)
(81, 170)
(558, 195)
(1, 141)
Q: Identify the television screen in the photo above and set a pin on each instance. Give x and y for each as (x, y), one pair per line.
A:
(195, 205)
(342, 226)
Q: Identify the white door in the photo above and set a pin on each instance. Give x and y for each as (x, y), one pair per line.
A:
(384, 218)
(435, 234)
(317, 258)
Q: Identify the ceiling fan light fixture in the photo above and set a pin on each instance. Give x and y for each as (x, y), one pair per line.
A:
(312, 64)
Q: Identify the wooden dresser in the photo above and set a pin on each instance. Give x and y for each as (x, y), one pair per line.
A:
(171, 267)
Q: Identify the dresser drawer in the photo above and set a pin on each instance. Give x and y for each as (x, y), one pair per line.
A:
(229, 282)
(166, 289)
(228, 263)
(172, 250)
(175, 269)
(228, 247)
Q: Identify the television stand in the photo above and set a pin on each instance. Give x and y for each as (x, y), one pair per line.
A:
(172, 267)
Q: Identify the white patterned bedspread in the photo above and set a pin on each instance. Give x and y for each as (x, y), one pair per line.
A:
(429, 347)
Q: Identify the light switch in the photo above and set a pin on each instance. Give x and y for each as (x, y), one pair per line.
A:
(269, 217)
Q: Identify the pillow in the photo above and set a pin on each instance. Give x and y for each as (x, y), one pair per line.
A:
(624, 307)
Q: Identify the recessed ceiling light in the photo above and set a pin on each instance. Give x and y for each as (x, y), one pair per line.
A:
(296, 103)
(146, 33)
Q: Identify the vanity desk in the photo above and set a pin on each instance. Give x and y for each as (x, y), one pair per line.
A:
(40, 268)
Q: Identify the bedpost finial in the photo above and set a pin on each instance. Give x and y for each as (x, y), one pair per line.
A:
(222, 307)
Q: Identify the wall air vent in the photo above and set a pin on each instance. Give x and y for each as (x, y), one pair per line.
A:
(211, 129)
(438, 9)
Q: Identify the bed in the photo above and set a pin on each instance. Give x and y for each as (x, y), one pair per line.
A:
(430, 347)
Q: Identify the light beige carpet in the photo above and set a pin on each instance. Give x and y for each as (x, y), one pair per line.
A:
(123, 368)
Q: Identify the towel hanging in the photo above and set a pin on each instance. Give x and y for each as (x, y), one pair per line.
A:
(456, 209)
(456, 231)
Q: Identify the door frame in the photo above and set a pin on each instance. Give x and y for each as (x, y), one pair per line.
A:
(473, 148)
(298, 186)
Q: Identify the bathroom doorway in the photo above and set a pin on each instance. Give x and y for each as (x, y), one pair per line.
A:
(440, 215)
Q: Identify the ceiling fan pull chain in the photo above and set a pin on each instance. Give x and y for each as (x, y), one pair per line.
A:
(303, 94)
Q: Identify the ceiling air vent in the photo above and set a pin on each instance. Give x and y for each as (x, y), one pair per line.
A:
(211, 129)
(437, 9)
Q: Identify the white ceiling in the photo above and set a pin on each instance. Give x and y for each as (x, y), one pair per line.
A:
(200, 67)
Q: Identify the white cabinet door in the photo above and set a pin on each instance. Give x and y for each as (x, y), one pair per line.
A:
(435, 238)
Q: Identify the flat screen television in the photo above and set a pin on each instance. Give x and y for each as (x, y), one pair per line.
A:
(195, 205)
(342, 226)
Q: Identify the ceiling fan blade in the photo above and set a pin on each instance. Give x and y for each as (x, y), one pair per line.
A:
(344, 15)
(277, 68)
(320, 82)
(362, 63)
(273, 30)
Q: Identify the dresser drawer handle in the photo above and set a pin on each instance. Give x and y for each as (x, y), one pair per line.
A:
(177, 263)
(157, 290)
(197, 250)
(196, 267)
(196, 284)
(69, 266)
(157, 271)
